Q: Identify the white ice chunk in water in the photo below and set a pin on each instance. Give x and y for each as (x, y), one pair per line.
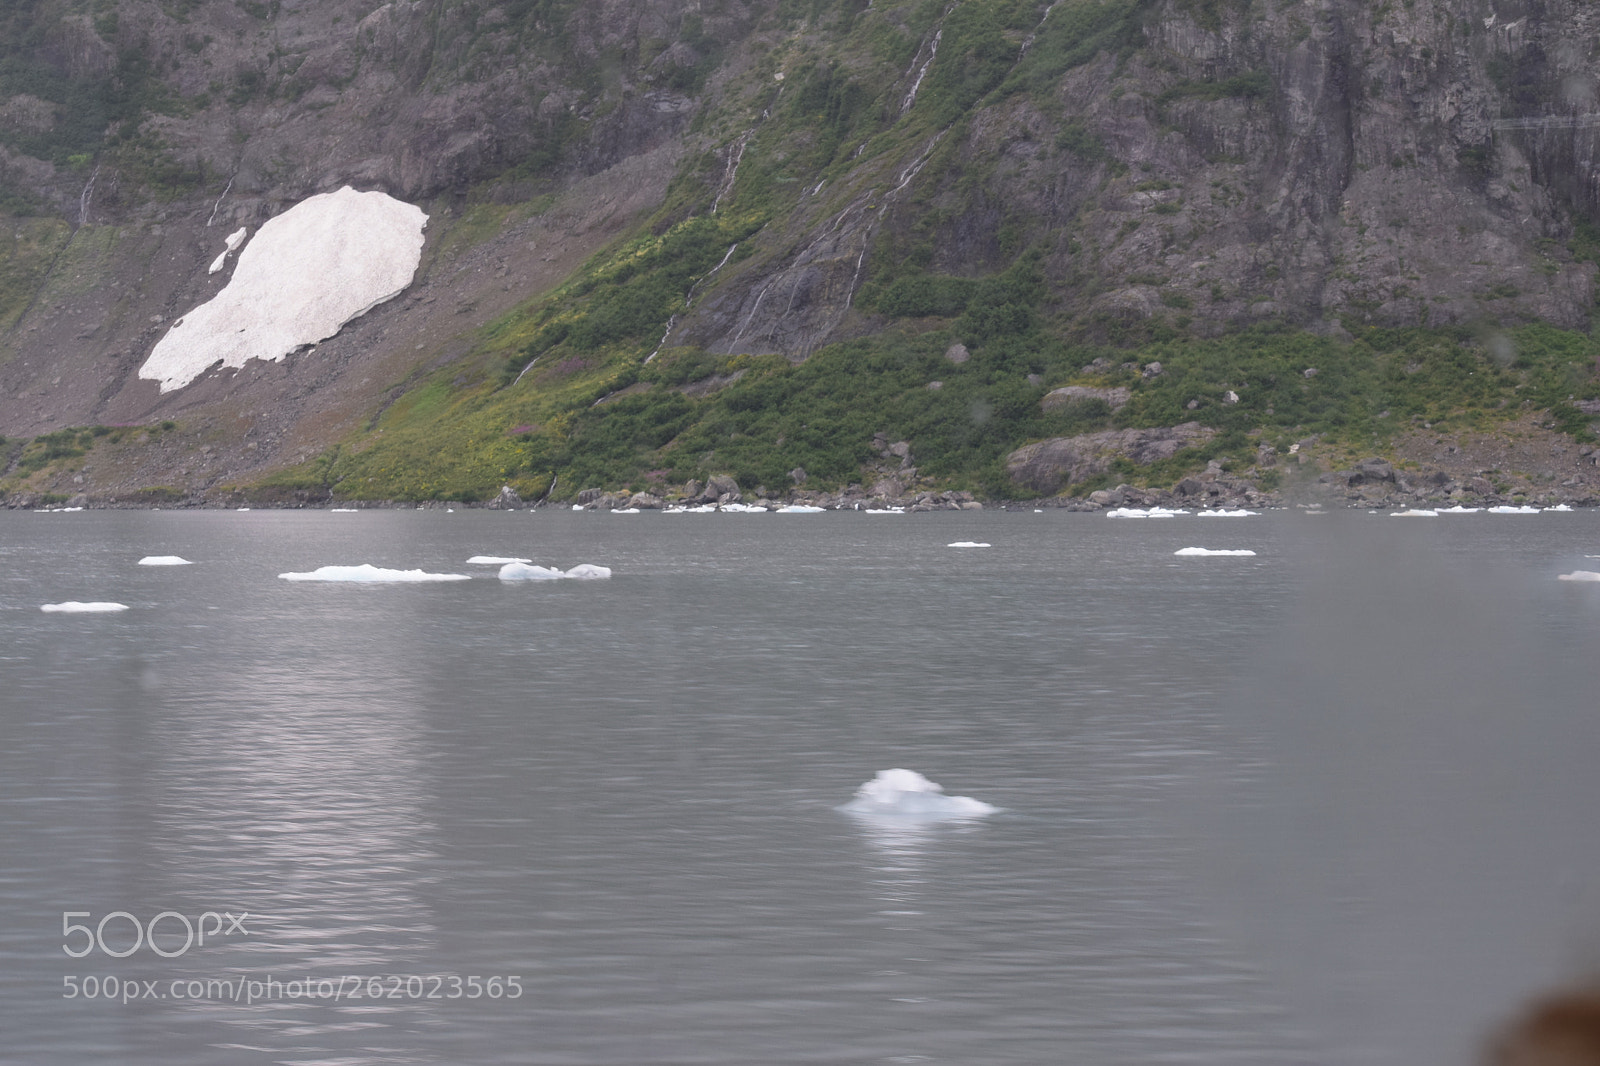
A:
(1135, 512)
(1507, 509)
(323, 262)
(164, 560)
(1579, 575)
(1458, 509)
(1213, 551)
(1223, 512)
(806, 508)
(74, 607)
(1414, 512)
(1557, 507)
(907, 794)
(367, 573)
(496, 560)
(581, 572)
(968, 544)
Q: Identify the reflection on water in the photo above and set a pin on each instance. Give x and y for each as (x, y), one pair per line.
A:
(1331, 803)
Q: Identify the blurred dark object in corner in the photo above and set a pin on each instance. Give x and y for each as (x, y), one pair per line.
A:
(1559, 1029)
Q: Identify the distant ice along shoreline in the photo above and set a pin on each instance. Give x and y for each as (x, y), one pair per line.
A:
(307, 272)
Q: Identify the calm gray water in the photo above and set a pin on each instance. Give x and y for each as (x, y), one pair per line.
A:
(1331, 804)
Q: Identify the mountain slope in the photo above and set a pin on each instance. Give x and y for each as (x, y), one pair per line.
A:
(668, 242)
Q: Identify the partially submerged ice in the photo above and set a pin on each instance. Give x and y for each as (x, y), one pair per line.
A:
(516, 571)
(1579, 575)
(907, 794)
(1213, 551)
(367, 573)
(326, 260)
(75, 607)
(496, 560)
(164, 560)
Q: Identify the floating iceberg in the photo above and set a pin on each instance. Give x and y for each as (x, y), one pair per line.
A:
(164, 560)
(326, 260)
(907, 794)
(743, 508)
(801, 508)
(968, 544)
(1557, 507)
(1223, 512)
(343, 510)
(1213, 551)
(885, 510)
(368, 573)
(1505, 509)
(1414, 512)
(496, 560)
(74, 607)
(1135, 512)
(624, 510)
(525, 572)
(1579, 575)
(1458, 509)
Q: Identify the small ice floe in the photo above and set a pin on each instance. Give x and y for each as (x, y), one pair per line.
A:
(164, 560)
(343, 510)
(907, 794)
(1579, 575)
(1137, 512)
(525, 572)
(1223, 512)
(74, 607)
(743, 508)
(1213, 551)
(1557, 507)
(885, 510)
(1414, 512)
(495, 560)
(577, 507)
(367, 573)
(1508, 509)
(968, 544)
(800, 508)
(241, 508)
(624, 510)
(1458, 509)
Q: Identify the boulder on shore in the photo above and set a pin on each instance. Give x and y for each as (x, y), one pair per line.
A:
(1051, 465)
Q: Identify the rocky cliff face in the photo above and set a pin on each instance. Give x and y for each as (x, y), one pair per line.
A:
(1126, 167)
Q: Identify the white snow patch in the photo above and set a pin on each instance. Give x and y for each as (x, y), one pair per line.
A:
(1506, 509)
(1213, 551)
(1135, 512)
(164, 560)
(496, 560)
(1579, 575)
(525, 572)
(968, 544)
(236, 238)
(907, 794)
(1414, 512)
(74, 607)
(368, 573)
(323, 262)
(1223, 512)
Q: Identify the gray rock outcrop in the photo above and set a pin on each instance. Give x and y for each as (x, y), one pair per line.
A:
(1051, 465)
